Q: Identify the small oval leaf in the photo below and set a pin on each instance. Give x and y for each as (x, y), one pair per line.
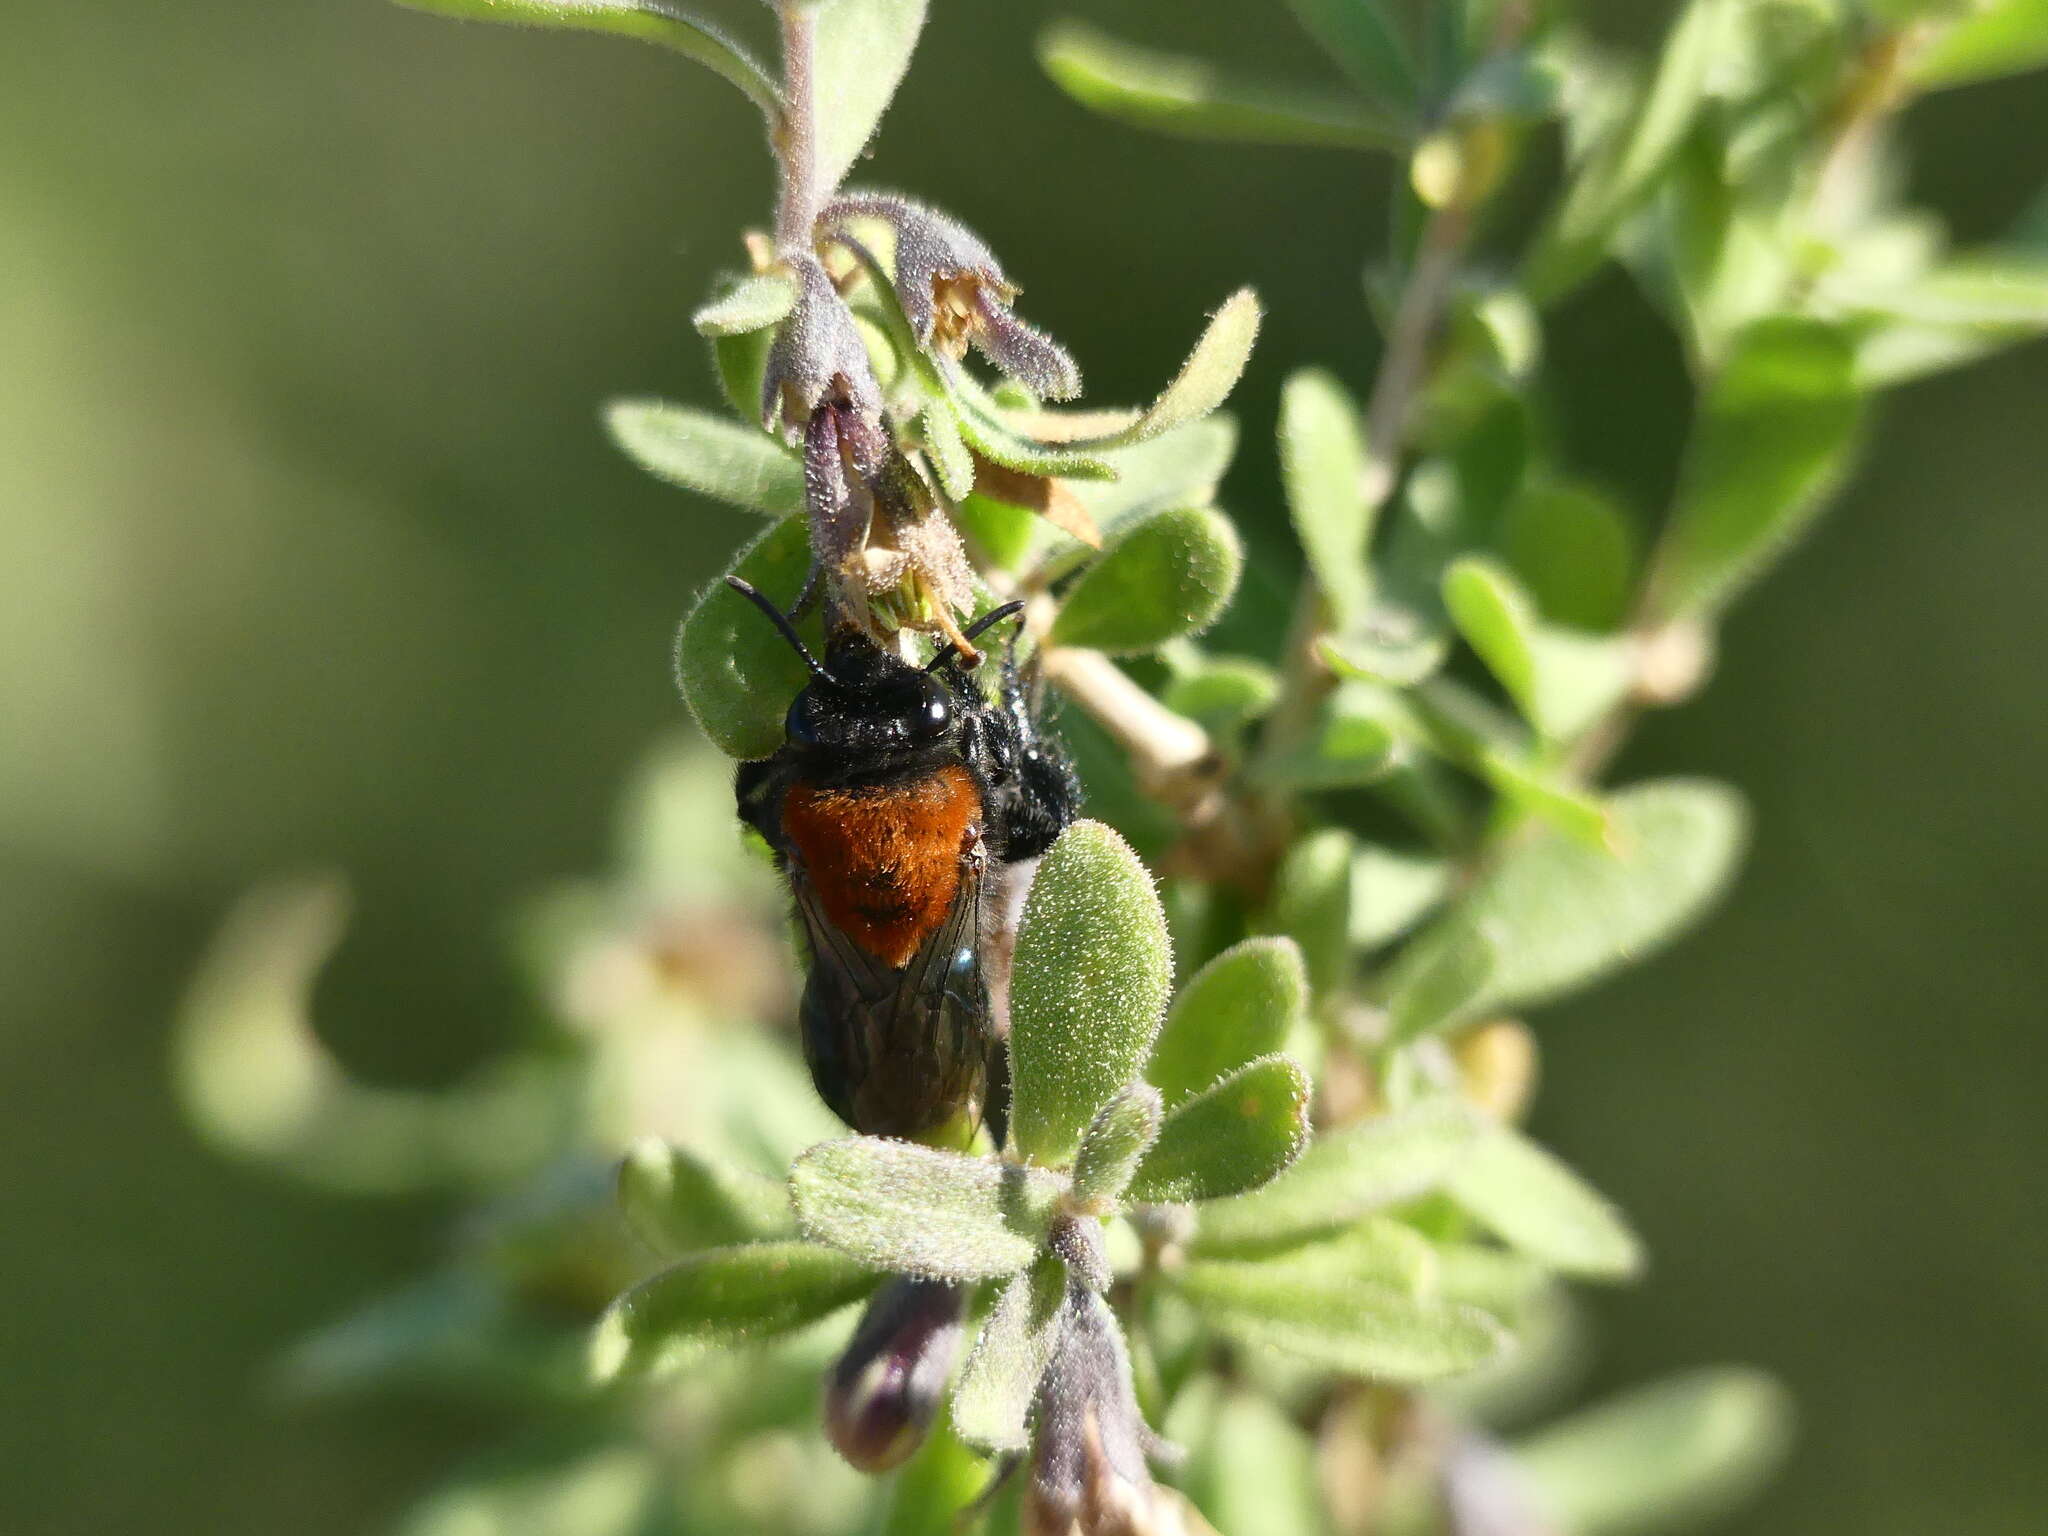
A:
(1324, 465)
(708, 454)
(1167, 576)
(1531, 1199)
(1241, 1005)
(736, 673)
(1016, 1345)
(1239, 1134)
(754, 303)
(680, 1201)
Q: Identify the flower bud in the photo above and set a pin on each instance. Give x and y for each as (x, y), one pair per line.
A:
(817, 359)
(884, 1390)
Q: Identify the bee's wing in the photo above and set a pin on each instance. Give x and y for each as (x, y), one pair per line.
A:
(897, 1052)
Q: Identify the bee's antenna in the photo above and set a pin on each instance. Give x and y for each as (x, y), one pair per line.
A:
(980, 626)
(776, 617)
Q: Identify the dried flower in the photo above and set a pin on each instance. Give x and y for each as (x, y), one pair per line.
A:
(818, 359)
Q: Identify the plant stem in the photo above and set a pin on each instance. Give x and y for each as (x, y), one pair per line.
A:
(796, 207)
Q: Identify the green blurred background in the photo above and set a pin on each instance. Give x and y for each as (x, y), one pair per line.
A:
(316, 556)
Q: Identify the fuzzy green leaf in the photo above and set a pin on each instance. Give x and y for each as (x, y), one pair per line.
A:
(2006, 37)
(1205, 380)
(741, 361)
(1311, 904)
(1092, 971)
(1353, 743)
(1017, 1342)
(1251, 1468)
(737, 674)
(1429, 996)
(1776, 429)
(1222, 694)
(655, 21)
(1366, 43)
(1343, 1322)
(1168, 576)
(1343, 1176)
(993, 439)
(1388, 644)
(1239, 1134)
(1324, 465)
(863, 48)
(946, 449)
(1574, 549)
(1563, 912)
(1241, 1005)
(1538, 1205)
(728, 1296)
(1189, 98)
(679, 1201)
(1562, 681)
(753, 303)
(1664, 1457)
(1391, 891)
(708, 454)
(1116, 1142)
(923, 1211)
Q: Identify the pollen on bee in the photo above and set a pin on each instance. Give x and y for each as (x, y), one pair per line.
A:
(885, 859)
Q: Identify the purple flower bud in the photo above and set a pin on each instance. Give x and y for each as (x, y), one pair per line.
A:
(883, 1392)
(817, 359)
(953, 293)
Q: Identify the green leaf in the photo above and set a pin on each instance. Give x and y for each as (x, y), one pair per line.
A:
(1017, 1342)
(1625, 167)
(1388, 644)
(1538, 1205)
(947, 449)
(655, 21)
(991, 437)
(1365, 43)
(1092, 970)
(727, 1296)
(1343, 1322)
(1205, 380)
(1324, 466)
(1239, 1134)
(863, 49)
(1190, 99)
(1311, 904)
(1563, 912)
(1115, 1144)
(1241, 1005)
(2007, 37)
(741, 362)
(680, 1201)
(1776, 429)
(1574, 549)
(1562, 681)
(1252, 1470)
(1345, 1175)
(1222, 694)
(1429, 996)
(919, 1210)
(1662, 1458)
(1352, 743)
(1168, 576)
(1181, 468)
(737, 674)
(754, 303)
(708, 454)
(1391, 891)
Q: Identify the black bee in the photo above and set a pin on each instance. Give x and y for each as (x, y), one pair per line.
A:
(907, 809)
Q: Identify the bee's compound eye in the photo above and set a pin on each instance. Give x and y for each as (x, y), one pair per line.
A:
(934, 713)
(800, 725)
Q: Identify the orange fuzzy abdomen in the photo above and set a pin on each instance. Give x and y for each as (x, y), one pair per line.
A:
(885, 860)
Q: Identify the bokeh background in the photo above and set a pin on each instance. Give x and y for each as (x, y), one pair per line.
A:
(315, 556)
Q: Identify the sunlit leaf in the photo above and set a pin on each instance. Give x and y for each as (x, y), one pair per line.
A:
(680, 1201)
(947, 449)
(1391, 891)
(1241, 1005)
(1561, 680)
(727, 1296)
(1324, 465)
(1662, 1458)
(1222, 694)
(1205, 380)
(1091, 977)
(1428, 996)
(1171, 575)
(1574, 549)
(2004, 37)
(737, 674)
(1351, 743)
(1115, 1143)
(656, 21)
(1015, 1346)
(919, 1210)
(863, 48)
(708, 454)
(1311, 904)
(1534, 1202)
(1236, 1135)
(1190, 98)
(1776, 429)
(751, 304)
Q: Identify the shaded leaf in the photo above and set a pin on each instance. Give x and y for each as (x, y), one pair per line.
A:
(655, 21)
(753, 303)
(1574, 549)
(863, 48)
(1663, 1457)
(1311, 904)
(1429, 996)
(1344, 1175)
(708, 454)
(1251, 1469)
(920, 1210)
(1561, 680)
(1391, 891)
(727, 1296)
(680, 1201)
(1016, 1345)
(1189, 98)
(1389, 644)
(1352, 743)
(1529, 1198)
(1168, 576)
(736, 673)
(1324, 465)
(1241, 1005)
(1092, 970)
(1776, 428)
(1364, 42)
(1235, 1136)
(742, 364)
(947, 449)
(1222, 694)
(1116, 1142)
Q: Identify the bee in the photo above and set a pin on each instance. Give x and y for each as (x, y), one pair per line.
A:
(907, 809)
